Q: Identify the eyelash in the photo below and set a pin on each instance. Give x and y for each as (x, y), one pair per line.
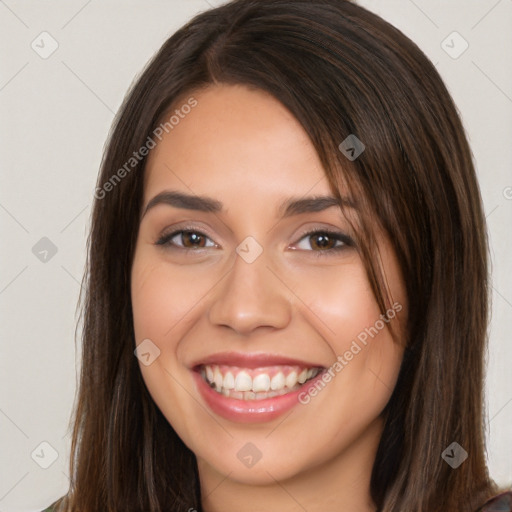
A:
(164, 240)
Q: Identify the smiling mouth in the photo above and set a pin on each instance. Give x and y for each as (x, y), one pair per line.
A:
(256, 383)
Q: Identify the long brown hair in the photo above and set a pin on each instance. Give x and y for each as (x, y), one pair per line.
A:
(340, 70)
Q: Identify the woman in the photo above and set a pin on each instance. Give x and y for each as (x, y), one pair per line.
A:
(287, 278)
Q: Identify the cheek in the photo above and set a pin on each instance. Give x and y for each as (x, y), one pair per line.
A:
(338, 301)
(163, 299)
(365, 358)
(162, 315)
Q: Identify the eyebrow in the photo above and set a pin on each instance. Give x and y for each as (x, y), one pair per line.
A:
(291, 206)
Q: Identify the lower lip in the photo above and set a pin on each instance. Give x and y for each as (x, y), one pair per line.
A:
(250, 411)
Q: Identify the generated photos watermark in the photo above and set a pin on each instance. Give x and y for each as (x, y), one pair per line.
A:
(138, 156)
(343, 360)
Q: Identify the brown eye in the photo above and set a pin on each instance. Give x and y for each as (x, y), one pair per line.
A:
(193, 238)
(324, 242)
(190, 240)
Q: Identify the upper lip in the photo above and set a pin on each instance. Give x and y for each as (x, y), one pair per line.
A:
(251, 360)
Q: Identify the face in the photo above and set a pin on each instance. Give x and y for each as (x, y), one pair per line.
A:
(264, 346)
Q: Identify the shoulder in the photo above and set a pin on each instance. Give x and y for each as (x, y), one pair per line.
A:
(53, 507)
(500, 503)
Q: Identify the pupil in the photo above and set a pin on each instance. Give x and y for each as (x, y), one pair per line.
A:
(325, 242)
(192, 237)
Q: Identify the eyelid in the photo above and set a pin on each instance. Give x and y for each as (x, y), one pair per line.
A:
(164, 238)
(333, 232)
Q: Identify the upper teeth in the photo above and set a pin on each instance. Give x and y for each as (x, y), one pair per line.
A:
(276, 378)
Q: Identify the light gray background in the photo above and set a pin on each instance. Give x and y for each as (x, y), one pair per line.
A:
(55, 116)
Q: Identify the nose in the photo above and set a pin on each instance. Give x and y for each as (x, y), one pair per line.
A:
(251, 296)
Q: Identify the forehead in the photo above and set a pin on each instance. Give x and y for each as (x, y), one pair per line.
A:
(235, 140)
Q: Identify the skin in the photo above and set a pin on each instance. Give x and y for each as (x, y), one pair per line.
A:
(244, 148)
